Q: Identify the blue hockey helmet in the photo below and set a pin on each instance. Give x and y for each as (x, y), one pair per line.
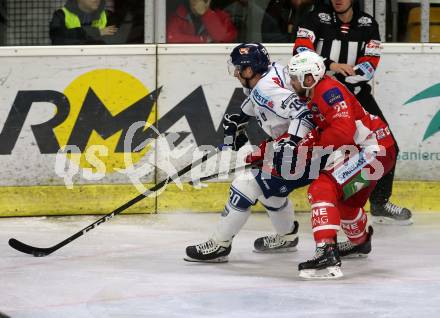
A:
(250, 54)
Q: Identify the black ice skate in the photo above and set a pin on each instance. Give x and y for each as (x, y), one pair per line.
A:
(349, 250)
(210, 251)
(390, 213)
(278, 243)
(326, 264)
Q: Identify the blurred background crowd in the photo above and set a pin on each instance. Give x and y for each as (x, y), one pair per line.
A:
(71, 22)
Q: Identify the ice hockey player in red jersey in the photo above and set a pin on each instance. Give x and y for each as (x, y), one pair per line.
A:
(349, 41)
(338, 195)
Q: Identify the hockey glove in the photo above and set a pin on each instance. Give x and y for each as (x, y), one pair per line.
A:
(234, 131)
(285, 154)
(258, 155)
(364, 73)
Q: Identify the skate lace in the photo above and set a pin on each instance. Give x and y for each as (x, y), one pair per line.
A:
(392, 208)
(273, 240)
(318, 253)
(345, 246)
(207, 247)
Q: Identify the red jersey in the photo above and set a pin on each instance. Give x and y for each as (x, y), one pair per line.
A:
(341, 120)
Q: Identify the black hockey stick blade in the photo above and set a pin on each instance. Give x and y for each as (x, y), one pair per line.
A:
(32, 250)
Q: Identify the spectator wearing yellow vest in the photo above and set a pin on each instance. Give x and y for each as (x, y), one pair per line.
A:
(81, 22)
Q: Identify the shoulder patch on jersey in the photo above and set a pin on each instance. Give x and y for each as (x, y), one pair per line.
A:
(324, 17)
(333, 96)
(365, 21)
(373, 48)
(306, 33)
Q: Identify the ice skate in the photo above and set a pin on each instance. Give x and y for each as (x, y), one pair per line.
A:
(349, 250)
(390, 213)
(278, 243)
(210, 251)
(326, 264)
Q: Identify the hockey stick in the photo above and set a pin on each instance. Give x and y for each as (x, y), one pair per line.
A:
(41, 251)
(256, 164)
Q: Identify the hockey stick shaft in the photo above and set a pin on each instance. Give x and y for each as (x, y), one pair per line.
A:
(37, 251)
(231, 171)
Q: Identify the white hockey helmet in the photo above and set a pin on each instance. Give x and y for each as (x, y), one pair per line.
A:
(307, 62)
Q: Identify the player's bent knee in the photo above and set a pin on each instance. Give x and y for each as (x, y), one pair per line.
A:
(238, 200)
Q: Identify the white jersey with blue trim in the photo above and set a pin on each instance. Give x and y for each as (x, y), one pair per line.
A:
(277, 109)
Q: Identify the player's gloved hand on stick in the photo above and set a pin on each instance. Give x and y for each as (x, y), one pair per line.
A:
(257, 156)
(234, 131)
(285, 154)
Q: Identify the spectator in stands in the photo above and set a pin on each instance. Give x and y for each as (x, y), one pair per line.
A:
(130, 15)
(82, 22)
(195, 21)
(238, 11)
(281, 19)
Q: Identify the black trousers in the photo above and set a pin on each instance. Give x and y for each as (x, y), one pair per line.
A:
(384, 187)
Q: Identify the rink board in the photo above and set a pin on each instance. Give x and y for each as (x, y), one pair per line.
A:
(102, 199)
(91, 96)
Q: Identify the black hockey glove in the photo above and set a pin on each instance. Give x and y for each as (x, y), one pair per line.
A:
(285, 155)
(234, 129)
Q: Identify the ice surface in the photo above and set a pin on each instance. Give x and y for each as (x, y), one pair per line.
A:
(132, 267)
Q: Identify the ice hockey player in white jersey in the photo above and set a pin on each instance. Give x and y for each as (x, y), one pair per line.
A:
(278, 111)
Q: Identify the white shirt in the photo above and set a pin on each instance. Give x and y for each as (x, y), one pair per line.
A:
(277, 109)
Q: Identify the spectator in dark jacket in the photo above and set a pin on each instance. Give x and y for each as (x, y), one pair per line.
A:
(195, 22)
(281, 19)
(81, 22)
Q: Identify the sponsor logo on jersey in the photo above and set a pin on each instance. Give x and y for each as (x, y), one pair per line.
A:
(306, 33)
(333, 96)
(353, 166)
(261, 99)
(341, 115)
(372, 48)
(365, 21)
(382, 133)
(324, 17)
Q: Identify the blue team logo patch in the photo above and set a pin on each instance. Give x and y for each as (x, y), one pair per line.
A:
(333, 96)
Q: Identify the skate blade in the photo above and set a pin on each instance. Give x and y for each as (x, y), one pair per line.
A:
(276, 251)
(223, 259)
(332, 272)
(390, 221)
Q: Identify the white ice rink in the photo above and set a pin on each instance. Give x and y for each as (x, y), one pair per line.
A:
(132, 266)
